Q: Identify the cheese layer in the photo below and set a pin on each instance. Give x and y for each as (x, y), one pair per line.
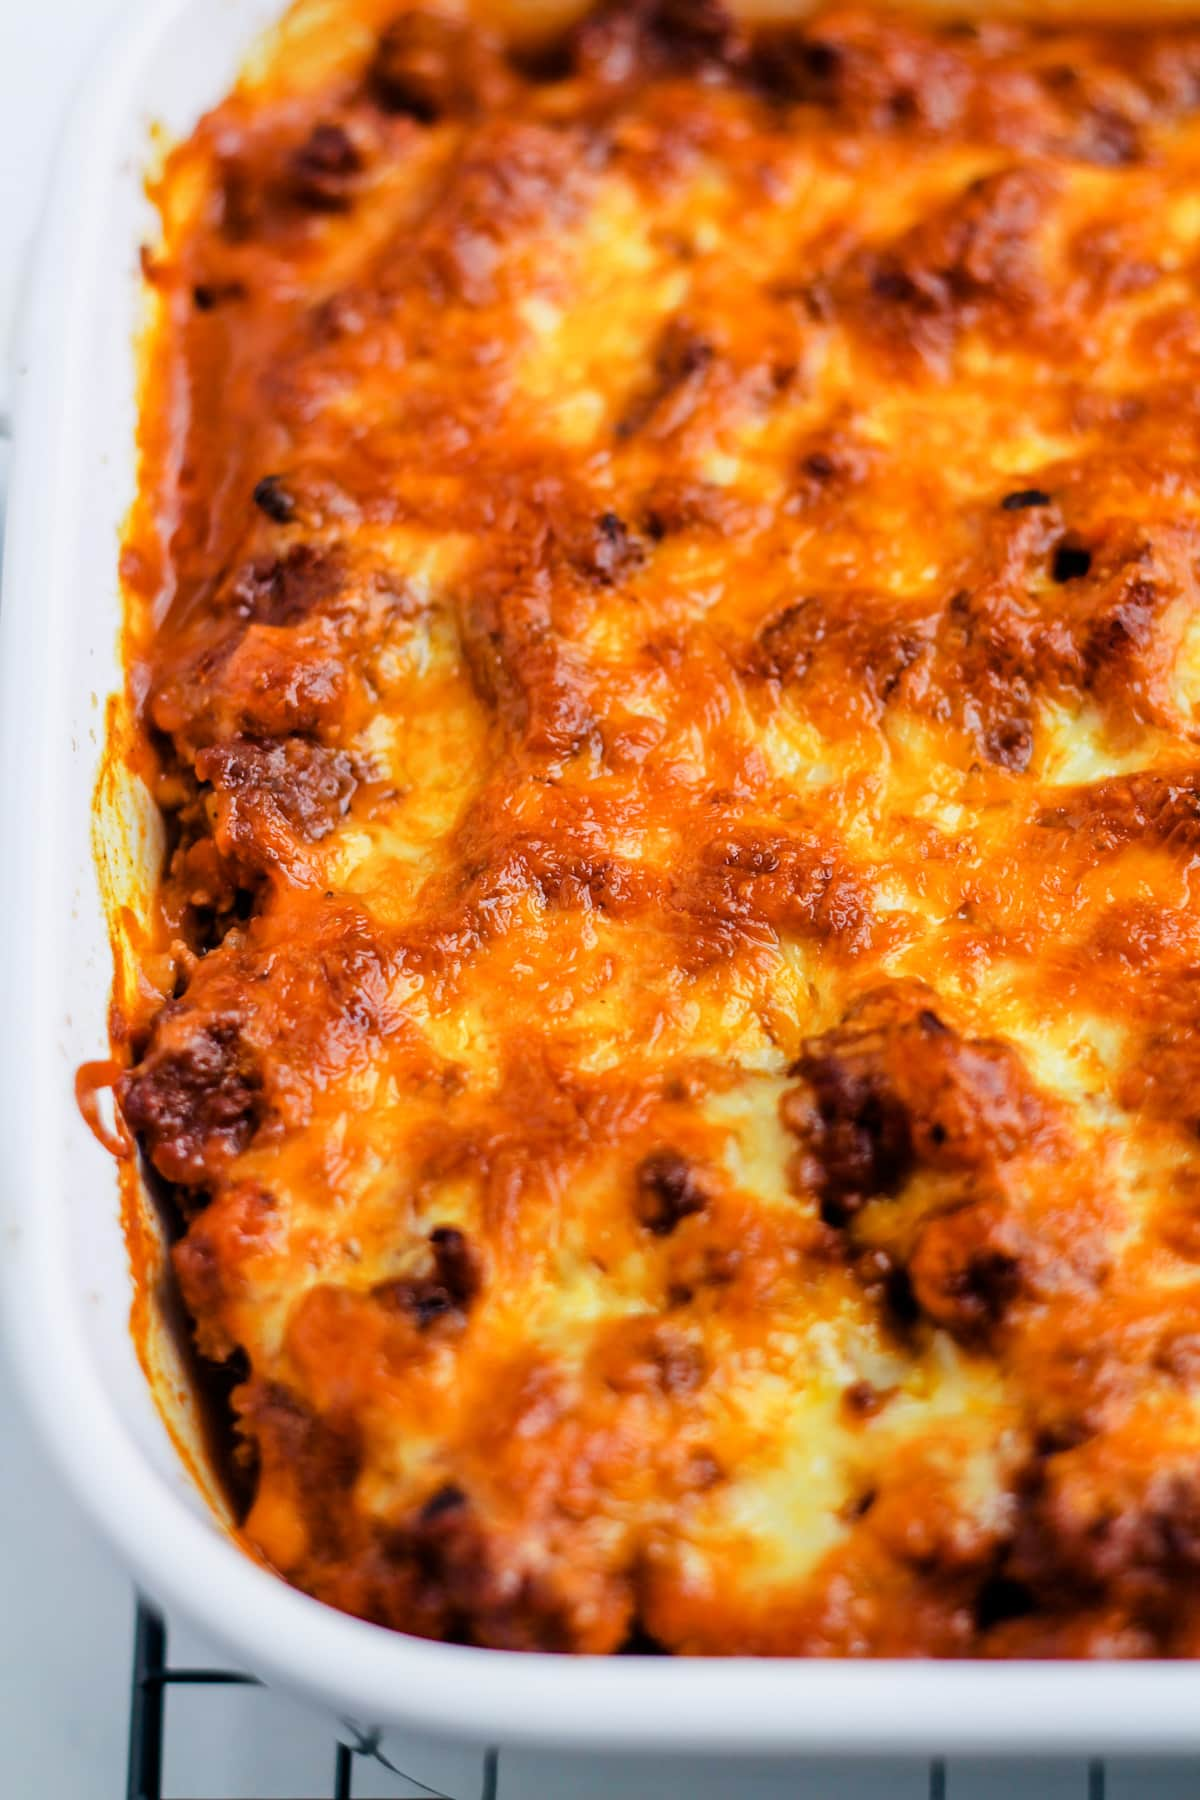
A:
(663, 612)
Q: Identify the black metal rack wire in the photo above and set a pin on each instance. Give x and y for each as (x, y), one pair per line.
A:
(153, 1675)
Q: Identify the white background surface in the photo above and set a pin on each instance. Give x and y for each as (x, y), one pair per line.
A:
(66, 1610)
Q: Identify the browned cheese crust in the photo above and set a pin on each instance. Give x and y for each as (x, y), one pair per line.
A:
(663, 611)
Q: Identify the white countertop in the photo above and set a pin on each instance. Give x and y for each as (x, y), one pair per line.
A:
(66, 1606)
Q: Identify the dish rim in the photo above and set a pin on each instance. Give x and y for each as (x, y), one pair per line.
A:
(711, 1706)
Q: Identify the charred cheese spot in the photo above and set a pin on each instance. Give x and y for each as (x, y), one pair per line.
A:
(671, 1015)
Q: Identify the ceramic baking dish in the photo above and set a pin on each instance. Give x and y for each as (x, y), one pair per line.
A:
(65, 1273)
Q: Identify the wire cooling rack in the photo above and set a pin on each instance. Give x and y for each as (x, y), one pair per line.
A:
(154, 1675)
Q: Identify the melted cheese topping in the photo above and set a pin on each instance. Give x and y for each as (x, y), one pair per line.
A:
(664, 614)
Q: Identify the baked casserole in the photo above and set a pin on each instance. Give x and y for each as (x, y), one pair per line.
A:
(662, 611)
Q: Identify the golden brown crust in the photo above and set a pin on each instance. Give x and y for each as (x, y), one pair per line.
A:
(663, 615)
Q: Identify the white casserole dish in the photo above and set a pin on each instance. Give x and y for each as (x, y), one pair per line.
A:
(65, 1274)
